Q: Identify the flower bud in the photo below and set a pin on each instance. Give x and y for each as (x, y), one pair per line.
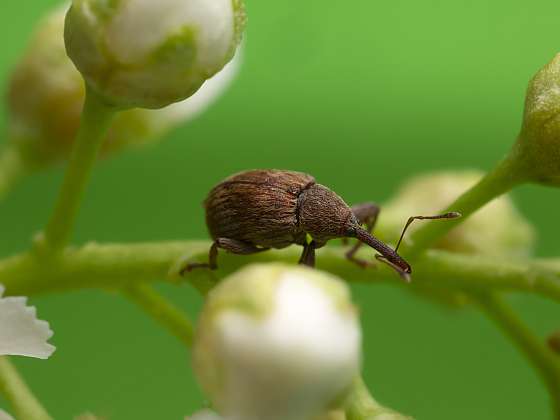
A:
(149, 54)
(277, 342)
(538, 146)
(497, 229)
(46, 96)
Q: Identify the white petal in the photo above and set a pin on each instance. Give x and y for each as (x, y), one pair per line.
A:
(5, 416)
(21, 333)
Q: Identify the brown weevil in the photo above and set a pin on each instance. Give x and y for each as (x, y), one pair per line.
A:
(254, 211)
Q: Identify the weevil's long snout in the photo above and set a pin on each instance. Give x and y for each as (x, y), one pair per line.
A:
(394, 259)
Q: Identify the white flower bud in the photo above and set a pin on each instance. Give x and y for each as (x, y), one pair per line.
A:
(21, 333)
(498, 229)
(149, 54)
(277, 342)
(46, 96)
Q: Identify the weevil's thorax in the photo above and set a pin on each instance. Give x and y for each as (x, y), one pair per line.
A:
(323, 214)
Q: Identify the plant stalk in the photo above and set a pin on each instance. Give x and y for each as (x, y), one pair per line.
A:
(163, 311)
(543, 360)
(115, 266)
(96, 119)
(360, 405)
(13, 387)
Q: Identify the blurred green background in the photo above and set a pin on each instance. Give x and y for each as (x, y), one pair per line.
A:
(361, 94)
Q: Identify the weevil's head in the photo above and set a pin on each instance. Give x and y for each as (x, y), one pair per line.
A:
(324, 215)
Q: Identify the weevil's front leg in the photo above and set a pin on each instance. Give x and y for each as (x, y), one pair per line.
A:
(367, 214)
(231, 245)
(308, 255)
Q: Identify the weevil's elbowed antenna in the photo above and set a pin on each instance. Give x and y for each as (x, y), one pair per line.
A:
(390, 256)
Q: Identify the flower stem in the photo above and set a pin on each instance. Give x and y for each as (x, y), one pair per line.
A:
(114, 266)
(506, 175)
(545, 362)
(96, 119)
(12, 386)
(360, 405)
(12, 169)
(163, 311)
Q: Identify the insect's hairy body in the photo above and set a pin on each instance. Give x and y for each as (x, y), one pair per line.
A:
(253, 211)
(274, 209)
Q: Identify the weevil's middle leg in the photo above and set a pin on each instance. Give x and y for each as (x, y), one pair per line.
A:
(367, 214)
(231, 245)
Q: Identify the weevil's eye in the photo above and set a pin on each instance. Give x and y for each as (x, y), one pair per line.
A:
(351, 232)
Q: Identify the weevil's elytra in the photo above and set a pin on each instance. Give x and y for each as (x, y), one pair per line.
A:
(256, 210)
(258, 207)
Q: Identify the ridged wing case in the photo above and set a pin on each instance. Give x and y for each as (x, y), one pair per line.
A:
(258, 207)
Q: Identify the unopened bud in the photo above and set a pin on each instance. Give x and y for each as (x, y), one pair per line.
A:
(46, 96)
(498, 229)
(277, 342)
(149, 54)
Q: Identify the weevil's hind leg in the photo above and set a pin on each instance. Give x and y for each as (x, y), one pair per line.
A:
(231, 245)
(367, 214)
(211, 264)
(308, 255)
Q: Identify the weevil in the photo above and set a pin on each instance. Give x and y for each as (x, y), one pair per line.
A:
(256, 210)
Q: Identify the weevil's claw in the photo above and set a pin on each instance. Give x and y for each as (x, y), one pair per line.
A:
(191, 266)
(186, 269)
(360, 262)
(363, 263)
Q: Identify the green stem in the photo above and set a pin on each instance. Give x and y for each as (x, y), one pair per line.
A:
(12, 169)
(506, 175)
(360, 405)
(163, 311)
(545, 362)
(12, 386)
(114, 266)
(96, 119)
